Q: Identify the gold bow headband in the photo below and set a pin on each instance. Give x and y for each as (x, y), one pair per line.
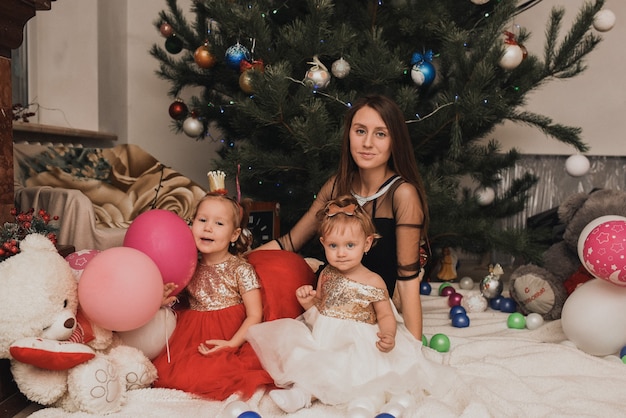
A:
(333, 209)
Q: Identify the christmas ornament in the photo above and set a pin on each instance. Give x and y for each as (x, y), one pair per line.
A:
(440, 342)
(577, 165)
(340, 68)
(474, 302)
(460, 321)
(235, 54)
(423, 71)
(604, 252)
(466, 283)
(166, 30)
(516, 321)
(203, 56)
(490, 285)
(193, 127)
(604, 20)
(485, 196)
(247, 74)
(174, 44)
(178, 110)
(479, 2)
(534, 321)
(318, 76)
(513, 53)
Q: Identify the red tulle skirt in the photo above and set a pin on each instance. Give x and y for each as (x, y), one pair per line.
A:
(218, 375)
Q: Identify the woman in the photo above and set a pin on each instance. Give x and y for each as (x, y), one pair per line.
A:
(378, 168)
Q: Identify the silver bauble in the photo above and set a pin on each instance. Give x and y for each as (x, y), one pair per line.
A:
(318, 76)
(491, 286)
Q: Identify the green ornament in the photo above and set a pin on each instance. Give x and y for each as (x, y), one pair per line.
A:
(440, 342)
(444, 284)
(174, 44)
(516, 320)
(425, 341)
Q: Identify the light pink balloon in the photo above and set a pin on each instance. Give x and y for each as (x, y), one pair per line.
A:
(120, 289)
(167, 239)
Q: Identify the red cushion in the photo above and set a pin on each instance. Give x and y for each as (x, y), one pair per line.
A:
(50, 354)
(280, 273)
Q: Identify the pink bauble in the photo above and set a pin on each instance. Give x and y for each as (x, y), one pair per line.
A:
(454, 299)
(78, 261)
(167, 239)
(604, 252)
(120, 289)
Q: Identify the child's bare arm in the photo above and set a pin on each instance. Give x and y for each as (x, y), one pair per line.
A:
(387, 326)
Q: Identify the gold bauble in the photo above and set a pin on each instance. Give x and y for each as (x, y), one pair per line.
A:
(245, 82)
(203, 57)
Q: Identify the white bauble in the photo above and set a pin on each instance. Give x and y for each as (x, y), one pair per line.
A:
(512, 57)
(479, 2)
(534, 321)
(193, 127)
(466, 283)
(340, 68)
(485, 196)
(577, 165)
(604, 20)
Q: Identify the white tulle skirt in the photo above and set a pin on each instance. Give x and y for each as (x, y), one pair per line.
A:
(336, 360)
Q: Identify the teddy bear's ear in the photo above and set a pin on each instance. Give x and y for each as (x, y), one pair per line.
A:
(37, 242)
(567, 209)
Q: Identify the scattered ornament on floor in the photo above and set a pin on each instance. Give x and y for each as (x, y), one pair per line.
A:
(513, 54)
(234, 409)
(440, 343)
(385, 415)
(235, 54)
(485, 195)
(466, 283)
(491, 286)
(495, 303)
(173, 44)
(166, 30)
(455, 310)
(424, 340)
(577, 165)
(249, 414)
(193, 127)
(479, 2)
(340, 68)
(203, 56)
(604, 20)
(474, 302)
(447, 291)
(317, 77)
(425, 288)
(508, 305)
(516, 321)
(178, 109)
(534, 321)
(455, 299)
(422, 71)
(460, 321)
(443, 286)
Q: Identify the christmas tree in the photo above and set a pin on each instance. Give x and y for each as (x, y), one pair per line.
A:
(277, 76)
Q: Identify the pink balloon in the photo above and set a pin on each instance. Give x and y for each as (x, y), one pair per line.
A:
(604, 252)
(120, 289)
(78, 261)
(167, 240)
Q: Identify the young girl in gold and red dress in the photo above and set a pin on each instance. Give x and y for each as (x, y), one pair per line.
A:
(208, 354)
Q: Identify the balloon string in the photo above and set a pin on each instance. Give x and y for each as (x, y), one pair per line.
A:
(238, 185)
(167, 342)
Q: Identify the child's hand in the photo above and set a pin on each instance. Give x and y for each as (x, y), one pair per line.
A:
(210, 346)
(386, 342)
(305, 293)
(167, 291)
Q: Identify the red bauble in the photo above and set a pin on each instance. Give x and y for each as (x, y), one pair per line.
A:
(178, 110)
(203, 57)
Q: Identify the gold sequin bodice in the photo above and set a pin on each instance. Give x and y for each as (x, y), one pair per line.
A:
(220, 286)
(346, 299)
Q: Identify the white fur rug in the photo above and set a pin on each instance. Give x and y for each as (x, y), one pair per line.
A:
(501, 372)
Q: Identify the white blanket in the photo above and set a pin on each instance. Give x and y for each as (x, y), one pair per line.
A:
(501, 372)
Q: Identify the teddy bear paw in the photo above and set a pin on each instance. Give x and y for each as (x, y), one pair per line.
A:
(96, 386)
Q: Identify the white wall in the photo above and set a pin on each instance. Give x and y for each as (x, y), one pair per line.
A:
(89, 61)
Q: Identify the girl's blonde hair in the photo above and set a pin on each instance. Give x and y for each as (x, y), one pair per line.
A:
(240, 213)
(340, 212)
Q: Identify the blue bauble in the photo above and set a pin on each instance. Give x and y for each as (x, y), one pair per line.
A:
(622, 352)
(425, 288)
(423, 73)
(460, 321)
(508, 305)
(496, 303)
(249, 414)
(385, 415)
(235, 54)
(458, 309)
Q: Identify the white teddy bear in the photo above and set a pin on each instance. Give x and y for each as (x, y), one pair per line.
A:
(59, 358)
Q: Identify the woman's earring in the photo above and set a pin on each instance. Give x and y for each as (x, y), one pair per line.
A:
(232, 244)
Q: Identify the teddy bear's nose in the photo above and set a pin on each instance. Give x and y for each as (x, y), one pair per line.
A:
(69, 323)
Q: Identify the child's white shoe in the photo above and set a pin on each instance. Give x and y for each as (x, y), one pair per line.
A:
(290, 400)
